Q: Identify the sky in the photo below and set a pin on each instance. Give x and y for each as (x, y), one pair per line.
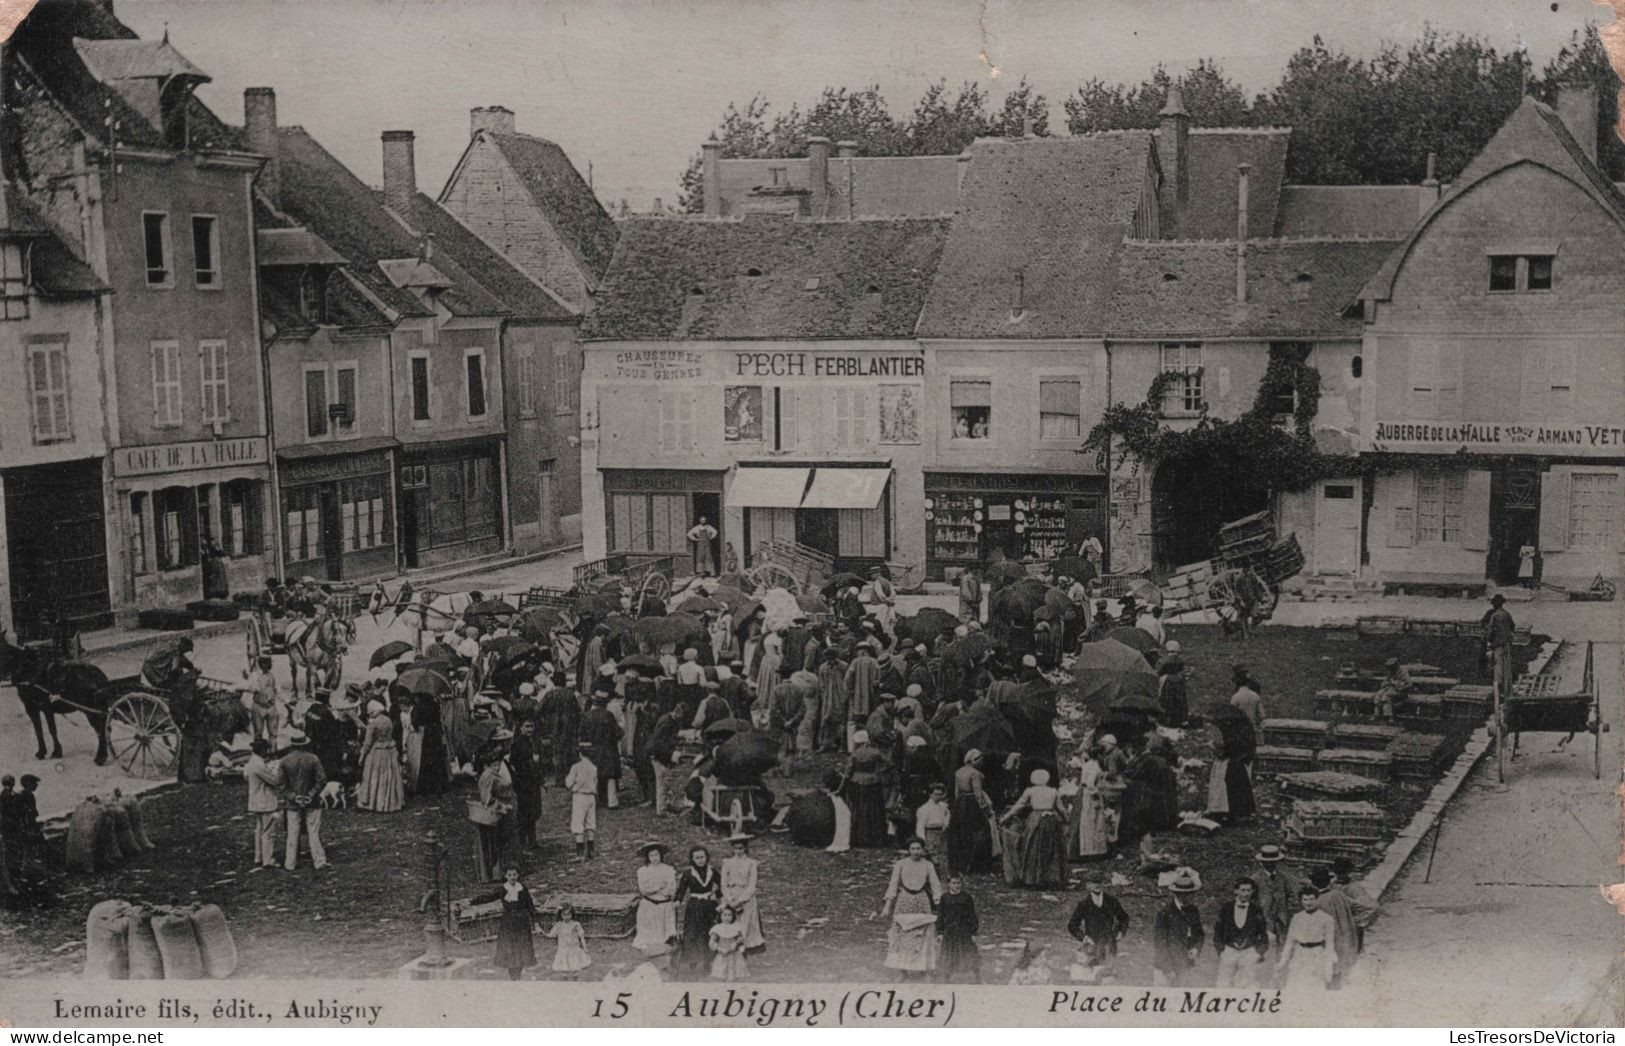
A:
(631, 87)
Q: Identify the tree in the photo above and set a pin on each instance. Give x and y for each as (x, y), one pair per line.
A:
(1020, 105)
(1583, 62)
(1211, 99)
(940, 126)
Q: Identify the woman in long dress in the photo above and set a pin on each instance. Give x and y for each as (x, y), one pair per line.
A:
(1308, 957)
(1092, 838)
(497, 795)
(516, 948)
(657, 889)
(970, 831)
(434, 765)
(865, 793)
(382, 790)
(739, 890)
(1229, 785)
(699, 889)
(1043, 840)
(911, 943)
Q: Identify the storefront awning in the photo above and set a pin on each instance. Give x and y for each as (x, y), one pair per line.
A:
(768, 488)
(846, 488)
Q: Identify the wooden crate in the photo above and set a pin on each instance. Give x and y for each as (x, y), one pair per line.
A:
(1279, 759)
(1381, 625)
(606, 915)
(1373, 736)
(1327, 820)
(1467, 702)
(1433, 628)
(1330, 784)
(1296, 733)
(1346, 702)
(474, 923)
(1420, 706)
(1433, 684)
(1357, 761)
(1416, 756)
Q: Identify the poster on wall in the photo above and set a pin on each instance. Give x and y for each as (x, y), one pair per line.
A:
(899, 414)
(1045, 530)
(742, 413)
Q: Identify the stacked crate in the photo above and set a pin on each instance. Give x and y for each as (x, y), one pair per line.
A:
(1297, 733)
(1358, 761)
(1282, 759)
(1333, 821)
(1468, 702)
(1373, 736)
(1416, 756)
(1330, 784)
(1346, 702)
(1187, 587)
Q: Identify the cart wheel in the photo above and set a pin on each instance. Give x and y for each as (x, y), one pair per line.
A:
(655, 586)
(142, 736)
(771, 575)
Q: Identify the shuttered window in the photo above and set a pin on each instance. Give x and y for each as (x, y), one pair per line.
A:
(48, 392)
(851, 419)
(166, 383)
(215, 386)
(862, 532)
(771, 524)
(677, 431)
(1059, 408)
(1594, 510)
(1439, 497)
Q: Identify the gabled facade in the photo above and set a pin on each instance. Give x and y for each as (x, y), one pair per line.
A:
(155, 194)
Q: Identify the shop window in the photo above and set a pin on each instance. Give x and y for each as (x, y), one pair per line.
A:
(344, 404)
(240, 517)
(216, 390)
(303, 534)
(851, 419)
(771, 524)
(174, 517)
(648, 522)
(155, 238)
(206, 250)
(1594, 516)
(1060, 408)
(48, 392)
(862, 532)
(1183, 394)
(677, 432)
(971, 405)
(566, 382)
(316, 401)
(1439, 497)
(742, 414)
(139, 562)
(1521, 272)
(166, 383)
(13, 282)
(420, 387)
(361, 509)
(474, 363)
(1436, 381)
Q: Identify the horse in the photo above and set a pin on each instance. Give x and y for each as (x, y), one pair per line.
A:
(318, 645)
(52, 681)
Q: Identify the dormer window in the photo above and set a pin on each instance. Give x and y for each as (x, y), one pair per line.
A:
(1169, 277)
(14, 282)
(1302, 284)
(313, 296)
(753, 272)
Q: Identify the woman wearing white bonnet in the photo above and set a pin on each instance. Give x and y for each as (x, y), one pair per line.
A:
(1040, 858)
(382, 788)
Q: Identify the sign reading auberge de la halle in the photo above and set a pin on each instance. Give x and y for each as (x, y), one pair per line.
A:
(179, 457)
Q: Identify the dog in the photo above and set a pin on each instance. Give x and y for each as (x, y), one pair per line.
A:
(334, 796)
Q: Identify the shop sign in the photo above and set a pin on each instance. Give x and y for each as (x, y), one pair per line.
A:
(1020, 483)
(339, 466)
(835, 365)
(181, 457)
(660, 364)
(1513, 436)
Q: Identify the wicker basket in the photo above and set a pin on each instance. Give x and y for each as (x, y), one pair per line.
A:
(1278, 759)
(1296, 733)
(1323, 819)
(1373, 736)
(1357, 761)
(479, 813)
(605, 915)
(474, 923)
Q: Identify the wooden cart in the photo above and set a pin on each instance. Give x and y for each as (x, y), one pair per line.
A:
(1537, 710)
(646, 575)
(790, 566)
(142, 734)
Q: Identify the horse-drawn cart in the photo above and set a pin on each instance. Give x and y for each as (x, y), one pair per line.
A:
(142, 731)
(1535, 706)
(645, 575)
(790, 566)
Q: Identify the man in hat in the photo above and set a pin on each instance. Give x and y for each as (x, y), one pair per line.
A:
(582, 782)
(735, 690)
(1247, 698)
(862, 682)
(1499, 629)
(1098, 921)
(302, 781)
(1241, 938)
(880, 725)
(264, 779)
(1178, 935)
(524, 768)
(440, 650)
(600, 731)
(1362, 906)
(1396, 686)
(561, 725)
(1101, 625)
(1277, 890)
(660, 754)
(970, 595)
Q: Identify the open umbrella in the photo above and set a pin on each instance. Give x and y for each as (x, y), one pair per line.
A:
(1057, 602)
(642, 662)
(1133, 637)
(673, 628)
(723, 729)
(505, 646)
(1136, 703)
(388, 652)
(743, 612)
(736, 581)
(424, 682)
(1032, 714)
(812, 604)
(491, 608)
(970, 648)
(844, 580)
(700, 605)
(1001, 574)
(743, 758)
(730, 597)
(537, 623)
(984, 727)
(927, 624)
(1106, 671)
(597, 604)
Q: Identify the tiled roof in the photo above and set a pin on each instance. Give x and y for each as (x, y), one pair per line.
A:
(523, 298)
(1294, 288)
(53, 267)
(22, 219)
(135, 59)
(45, 41)
(559, 190)
(1040, 222)
(1383, 211)
(321, 193)
(293, 246)
(1215, 154)
(687, 278)
(346, 307)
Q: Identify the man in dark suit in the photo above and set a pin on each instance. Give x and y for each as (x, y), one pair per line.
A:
(1099, 921)
(1241, 937)
(1178, 935)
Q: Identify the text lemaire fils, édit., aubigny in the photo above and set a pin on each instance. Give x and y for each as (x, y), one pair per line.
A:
(327, 1010)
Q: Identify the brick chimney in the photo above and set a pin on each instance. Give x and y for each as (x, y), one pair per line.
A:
(1577, 108)
(1429, 193)
(493, 118)
(400, 171)
(1241, 232)
(711, 177)
(1173, 148)
(259, 121)
(818, 174)
(962, 168)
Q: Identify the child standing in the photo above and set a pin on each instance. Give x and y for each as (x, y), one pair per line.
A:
(571, 957)
(956, 914)
(728, 941)
(582, 783)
